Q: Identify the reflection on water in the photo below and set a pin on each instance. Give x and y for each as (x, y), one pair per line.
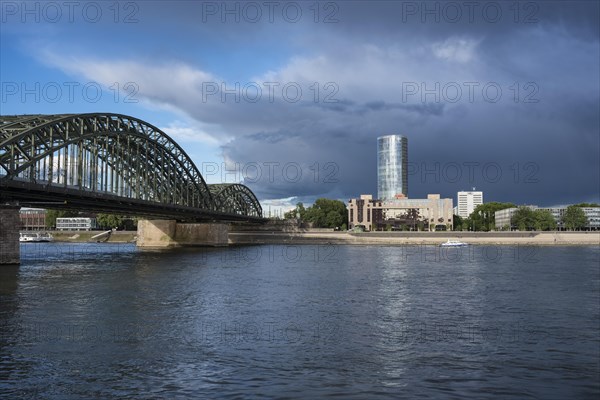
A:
(104, 320)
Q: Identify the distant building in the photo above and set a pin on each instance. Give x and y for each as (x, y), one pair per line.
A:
(33, 219)
(401, 213)
(75, 224)
(392, 166)
(557, 213)
(593, 217)
(467, 201)
(503, 217)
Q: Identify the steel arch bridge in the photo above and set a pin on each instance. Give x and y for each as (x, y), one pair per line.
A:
(111, 163)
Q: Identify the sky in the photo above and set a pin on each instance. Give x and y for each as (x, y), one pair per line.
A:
(290, 97)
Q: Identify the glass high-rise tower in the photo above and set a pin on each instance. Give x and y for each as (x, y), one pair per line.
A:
(392, 166)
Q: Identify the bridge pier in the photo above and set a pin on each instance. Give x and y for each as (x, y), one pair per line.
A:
(160, 234)
(10, 224)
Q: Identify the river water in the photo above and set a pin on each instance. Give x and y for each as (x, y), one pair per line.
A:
(107, 321)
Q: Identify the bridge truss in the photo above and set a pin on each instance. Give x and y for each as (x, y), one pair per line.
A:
(110, 163)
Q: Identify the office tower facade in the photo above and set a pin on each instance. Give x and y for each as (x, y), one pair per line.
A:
(392, 167)
(467, 201)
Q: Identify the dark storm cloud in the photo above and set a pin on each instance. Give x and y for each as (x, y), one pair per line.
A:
(524, 152)
(377, 19)
(428, 108)
(531, 161)
(523, 146)
(349, 106)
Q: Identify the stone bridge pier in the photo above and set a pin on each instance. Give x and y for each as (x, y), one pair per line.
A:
(160, 234)
(10, 224)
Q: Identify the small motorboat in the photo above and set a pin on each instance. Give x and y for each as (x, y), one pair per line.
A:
(35, 237)
(454, 243)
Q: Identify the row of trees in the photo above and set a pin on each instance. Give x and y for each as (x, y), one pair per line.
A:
(542, 220)
(483, 218)
(528, 219)
(110, 221)
(324, 213)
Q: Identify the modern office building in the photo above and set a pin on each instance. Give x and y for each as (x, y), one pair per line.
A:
(502, 218)
(467, 201)
(592, 214)
(432, 213)
(75, 224)
(392, 166)
(593, 217)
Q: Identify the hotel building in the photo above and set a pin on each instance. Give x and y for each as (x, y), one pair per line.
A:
(400, 213)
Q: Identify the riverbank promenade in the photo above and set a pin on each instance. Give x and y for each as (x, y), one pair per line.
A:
(418, 238)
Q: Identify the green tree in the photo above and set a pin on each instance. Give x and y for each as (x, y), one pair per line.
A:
(316, 216)
(467, 224)
(110, 221)
(334, 219)
(587, 205)
(51, 216)
(483, 216)
(524, 219)
(298, 212)
(290, 214)
(325, 213)
(457, 222)
(301, 211)
(574, 218)
(544, 220)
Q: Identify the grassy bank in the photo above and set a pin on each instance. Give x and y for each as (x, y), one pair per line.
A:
(86, 236)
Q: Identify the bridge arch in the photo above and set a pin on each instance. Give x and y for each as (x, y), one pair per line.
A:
(113, 156)
(235, 199)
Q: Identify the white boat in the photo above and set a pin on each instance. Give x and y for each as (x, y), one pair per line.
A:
(35, 237)
(454, 243)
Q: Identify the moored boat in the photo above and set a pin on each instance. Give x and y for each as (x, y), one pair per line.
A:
(454, 243)
(35, 237)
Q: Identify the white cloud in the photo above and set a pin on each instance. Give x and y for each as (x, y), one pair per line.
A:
(154, 81)
(186, 133)
(456, 49)
(278, 207)
(376, 74)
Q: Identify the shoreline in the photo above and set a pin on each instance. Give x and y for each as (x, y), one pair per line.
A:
(585, 238)
(419, 238)
(86, 237)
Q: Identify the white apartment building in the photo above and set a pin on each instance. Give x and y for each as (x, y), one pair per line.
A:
(467, 201)
(75, 224)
